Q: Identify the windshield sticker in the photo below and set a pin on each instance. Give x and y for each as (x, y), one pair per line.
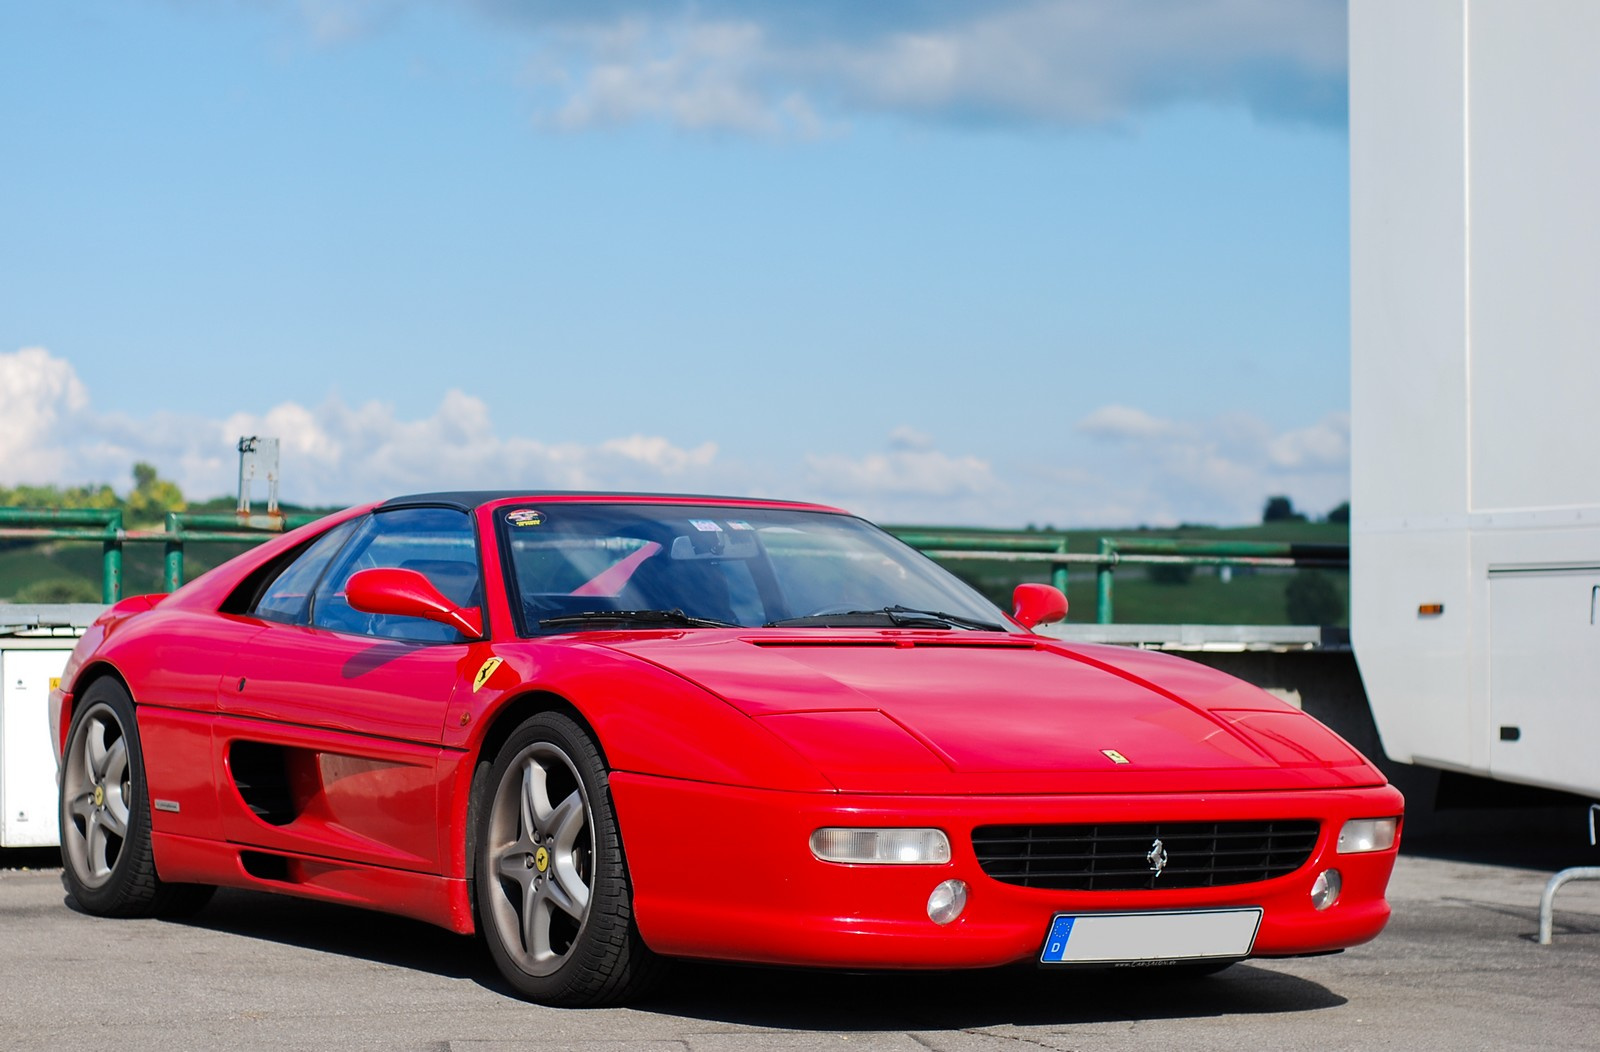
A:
(525, 517)
(705, 525)
(739, 524)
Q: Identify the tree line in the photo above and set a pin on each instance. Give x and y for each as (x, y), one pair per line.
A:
(149, 500)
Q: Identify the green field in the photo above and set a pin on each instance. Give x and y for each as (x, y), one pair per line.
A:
(1251, 597)
(1248, 599)
(75, 567)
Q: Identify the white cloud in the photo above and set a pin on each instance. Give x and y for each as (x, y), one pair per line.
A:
(1126, 466)
(780, 67)
(1219, 470)
(334, 453)
(690, 74)
(342, 21)
(339, 453)
(912, 482)
(1325, 444)
(656, 452)
(1124, 424)
(761, 68)
(910, 472)
(38, 394)
(908, 438)
(1090, 61)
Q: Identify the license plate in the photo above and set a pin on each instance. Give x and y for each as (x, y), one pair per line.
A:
(1118, 938)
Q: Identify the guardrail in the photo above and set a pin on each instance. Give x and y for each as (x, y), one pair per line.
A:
(182, 528)
(1114, 551)
(106, 527)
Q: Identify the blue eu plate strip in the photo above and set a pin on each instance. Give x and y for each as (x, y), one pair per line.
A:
(1060, 932)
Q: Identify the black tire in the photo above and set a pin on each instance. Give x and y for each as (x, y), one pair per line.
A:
(108, 864)
(553, 898)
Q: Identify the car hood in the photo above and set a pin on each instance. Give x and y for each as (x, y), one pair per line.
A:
(932, 712)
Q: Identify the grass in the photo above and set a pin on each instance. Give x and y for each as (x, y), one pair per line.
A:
(1248, 599)
(1252, 597)
(23, 564)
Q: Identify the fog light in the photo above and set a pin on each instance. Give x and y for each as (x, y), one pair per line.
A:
(1367, 834)
(883, 847)
(1325, 889)
(947, 901)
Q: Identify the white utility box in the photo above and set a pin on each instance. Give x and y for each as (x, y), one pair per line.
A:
(35, 642)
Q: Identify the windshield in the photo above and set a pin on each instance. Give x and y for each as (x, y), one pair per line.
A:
(578, 566)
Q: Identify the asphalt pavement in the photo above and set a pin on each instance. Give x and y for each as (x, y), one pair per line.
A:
(1459, 968)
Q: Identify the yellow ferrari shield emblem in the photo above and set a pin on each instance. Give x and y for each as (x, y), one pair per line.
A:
(1114, 756)
(541, 859)
(484, 673)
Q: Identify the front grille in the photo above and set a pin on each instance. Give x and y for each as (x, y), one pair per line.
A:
(1118, 857)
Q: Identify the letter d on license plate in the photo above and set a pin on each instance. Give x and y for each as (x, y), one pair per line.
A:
(1116, 938)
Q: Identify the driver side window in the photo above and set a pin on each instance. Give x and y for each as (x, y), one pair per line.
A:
(288, 597)
(438, 543)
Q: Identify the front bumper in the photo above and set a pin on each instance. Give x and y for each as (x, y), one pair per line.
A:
(726, 873)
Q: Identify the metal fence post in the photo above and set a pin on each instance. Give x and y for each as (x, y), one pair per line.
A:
(1547, 901)
(1102, 579)
(172, 576)
(111, 559)
(1058, 571)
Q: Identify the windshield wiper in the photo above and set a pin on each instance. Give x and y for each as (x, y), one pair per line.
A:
(644, 617)
(953, 619)
(896, 616)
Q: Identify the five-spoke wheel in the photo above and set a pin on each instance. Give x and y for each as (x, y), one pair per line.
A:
(96, 788)
(543, 856)
(552, 886)
(109, 864)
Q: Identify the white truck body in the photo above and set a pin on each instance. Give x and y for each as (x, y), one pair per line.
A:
(1475, 383)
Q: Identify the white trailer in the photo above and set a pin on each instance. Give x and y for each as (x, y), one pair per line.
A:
(1475, 391)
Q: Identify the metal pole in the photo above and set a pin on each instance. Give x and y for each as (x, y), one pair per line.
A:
(111, 559)
(1058, 571)
(1102, 579)
(1547, 902)
(173, 564)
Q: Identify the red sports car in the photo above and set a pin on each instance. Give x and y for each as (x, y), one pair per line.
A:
(608, 729)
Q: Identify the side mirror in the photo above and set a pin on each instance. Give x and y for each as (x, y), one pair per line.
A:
(407, 593)
(1034, 604)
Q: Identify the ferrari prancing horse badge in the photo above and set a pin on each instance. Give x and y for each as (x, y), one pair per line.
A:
(484, 673)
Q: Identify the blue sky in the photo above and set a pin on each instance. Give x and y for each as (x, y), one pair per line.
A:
(1078, 262)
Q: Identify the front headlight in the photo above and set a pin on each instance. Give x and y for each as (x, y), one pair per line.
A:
(1367, 834)
(884, 847)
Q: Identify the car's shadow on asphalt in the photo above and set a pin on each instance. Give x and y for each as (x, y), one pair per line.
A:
(793, 999)
(1537, 838)
(347, 931)
(821, 1000)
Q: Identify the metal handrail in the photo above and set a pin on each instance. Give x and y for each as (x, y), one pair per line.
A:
(1547, 901)
(1016, 549)
(106, 526)
(182, 528)
(1113, 551)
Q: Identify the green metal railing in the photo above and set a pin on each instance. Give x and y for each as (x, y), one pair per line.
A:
(1205, 553)
(106, 527)
(1114, 551)
(73, 525)
(1047, 549)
